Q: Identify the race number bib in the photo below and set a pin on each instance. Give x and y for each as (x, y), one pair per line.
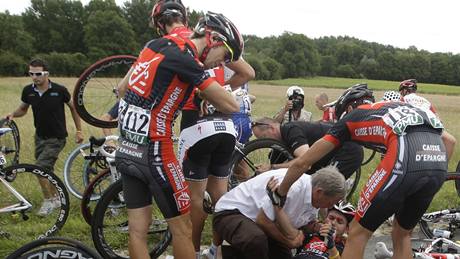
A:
(2, 159)
(243, 100)
(400, 117)
(134, 123)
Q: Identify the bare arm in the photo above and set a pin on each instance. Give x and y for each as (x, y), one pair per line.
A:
(303, 163)
(273, 231)
(123, 84)
(243, 73)
(221, 99)
(77, 122)
(279, 117)
(19, 112)
(449, 143)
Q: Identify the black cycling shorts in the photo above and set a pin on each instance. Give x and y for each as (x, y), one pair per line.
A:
(209, 156)
(406, 180)
(152, 170)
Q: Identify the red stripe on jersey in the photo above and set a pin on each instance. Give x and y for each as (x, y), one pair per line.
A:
(332, 139)
(372, 131)
(145, 68)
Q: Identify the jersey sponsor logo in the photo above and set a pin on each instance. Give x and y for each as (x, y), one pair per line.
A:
(177, 175)
(54, 94)
(371, 131)
(182, 199)
(140, 75)
(373, 182)
(165, 111)
(363, 205)
(430, 153)
(220, 126)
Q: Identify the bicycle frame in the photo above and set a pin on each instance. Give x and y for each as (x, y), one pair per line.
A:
(23, 204)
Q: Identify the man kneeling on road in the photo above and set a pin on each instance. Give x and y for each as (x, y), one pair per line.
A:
(246, 218)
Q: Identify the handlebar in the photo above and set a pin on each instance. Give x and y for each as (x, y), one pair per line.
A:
(99, 145)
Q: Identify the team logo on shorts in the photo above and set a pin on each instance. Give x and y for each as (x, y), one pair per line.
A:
(219, 126)
(182, 200)
(363, 205)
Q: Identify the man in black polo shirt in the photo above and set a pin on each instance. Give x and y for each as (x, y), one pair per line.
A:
(299, 136)
(47, 100)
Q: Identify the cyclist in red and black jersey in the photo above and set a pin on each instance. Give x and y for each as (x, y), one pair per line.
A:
(404, 182)
(162, 78)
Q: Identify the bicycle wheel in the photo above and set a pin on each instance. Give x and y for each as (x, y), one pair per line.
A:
(352, 183)
(256, 152)
(10, 142)
(93, 192)
(95, 92)
(446, 220)
(55, 247)
(109, 226)
(456, 177)
(74, 168)
(28, 224)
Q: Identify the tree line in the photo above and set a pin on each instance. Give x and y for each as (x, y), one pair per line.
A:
(71, 36)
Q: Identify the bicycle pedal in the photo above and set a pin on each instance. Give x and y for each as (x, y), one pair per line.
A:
(10, 176)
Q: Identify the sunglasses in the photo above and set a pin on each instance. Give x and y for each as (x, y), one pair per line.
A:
(38, 74)
(229, 55)
(255, 124)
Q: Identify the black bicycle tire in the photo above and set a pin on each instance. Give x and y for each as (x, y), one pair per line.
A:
(67, 172)
(457, 179)
(252, 146)
(97, 225)
(81, 84)
(87, 194)
(16, 136)
(62, 242)
(53, 180)
(371, 157)
(355, 184)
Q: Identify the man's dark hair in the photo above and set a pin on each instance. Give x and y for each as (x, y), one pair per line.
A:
(39, 63)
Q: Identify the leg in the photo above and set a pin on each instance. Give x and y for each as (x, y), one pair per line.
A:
(139, 221)
(198, 216)
(181, 230)
(216, 188)
(46, 153)
(356, 242)
(401, 241)
(449, 142)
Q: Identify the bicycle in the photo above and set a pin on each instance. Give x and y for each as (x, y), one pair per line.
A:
(100, 80)
(264, 151)
(446, 221)
(439, 248)
(54, 247)
(11, 142)
(22, 197)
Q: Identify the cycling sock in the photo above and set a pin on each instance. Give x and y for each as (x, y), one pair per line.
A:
(198, 255)
(213, 249)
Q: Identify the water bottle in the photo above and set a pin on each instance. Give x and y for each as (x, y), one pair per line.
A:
(441, 233)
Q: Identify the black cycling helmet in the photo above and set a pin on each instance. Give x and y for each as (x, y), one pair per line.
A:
(409, 84)
(220, 28)
(346, 209)
(164, 8)
(354, 96)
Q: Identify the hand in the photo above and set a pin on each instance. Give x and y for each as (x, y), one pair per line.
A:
(9, 116)
(263, 168)
(271, 188)
(288, 105)
(328, 232)
(78, 137)
(298, 241)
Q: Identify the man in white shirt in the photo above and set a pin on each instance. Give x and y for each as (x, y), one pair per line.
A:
(245, 216)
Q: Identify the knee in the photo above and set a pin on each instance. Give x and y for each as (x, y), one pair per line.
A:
(138, 231)
(181, 227)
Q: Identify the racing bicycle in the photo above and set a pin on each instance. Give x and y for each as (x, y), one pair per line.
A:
(438, 248)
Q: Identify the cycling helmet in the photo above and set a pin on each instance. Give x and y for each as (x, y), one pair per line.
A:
(294, 89)
(409, 84)
(346, 209)
(354, 95)
(222, 30)
(163, 8)
(392, 96)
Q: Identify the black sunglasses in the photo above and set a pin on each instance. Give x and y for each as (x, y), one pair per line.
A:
(255, 124)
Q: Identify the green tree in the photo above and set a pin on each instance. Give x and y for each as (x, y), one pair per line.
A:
(56, 25)
(13, 37)
(137, 13)
(328, 65)
(274, 68)
(107, 33)
(261, 71)
(12, 64)
(368, 67)
(346, 71)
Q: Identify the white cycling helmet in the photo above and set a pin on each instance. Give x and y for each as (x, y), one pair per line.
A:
(392, 96)
(294, 89)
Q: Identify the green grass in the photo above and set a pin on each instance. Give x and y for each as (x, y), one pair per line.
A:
(343, 83)
(269, 100)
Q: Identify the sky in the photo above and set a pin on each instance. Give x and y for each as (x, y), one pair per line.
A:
(426, 24)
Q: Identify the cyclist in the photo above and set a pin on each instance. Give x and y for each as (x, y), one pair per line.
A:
(299, 136)
(321, 101)
(47, 100)
(163, 77)
(391, 96)
(293, 109)
(408, 91)
(329, 241)
(405, 181)
(255, 228)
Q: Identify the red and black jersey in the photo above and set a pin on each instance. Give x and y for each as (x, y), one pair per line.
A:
(164, 75)
(373, 125)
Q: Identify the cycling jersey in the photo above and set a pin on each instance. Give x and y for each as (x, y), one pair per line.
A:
(164, 75)
(418, 101)
(414, 165)
(329, 115)
(315, 248)
(347, 158)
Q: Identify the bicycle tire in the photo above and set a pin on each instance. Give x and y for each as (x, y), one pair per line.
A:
(100, 80)
(10, 143)
(457, 179)
(23, 178)
(369, 159)
(352, 183)
(428, 225)
(102, 221)
(255, 152)
(74, 167)
(89, 194)
(58, 246)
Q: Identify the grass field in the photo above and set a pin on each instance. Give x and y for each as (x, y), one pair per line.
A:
(270, 99)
